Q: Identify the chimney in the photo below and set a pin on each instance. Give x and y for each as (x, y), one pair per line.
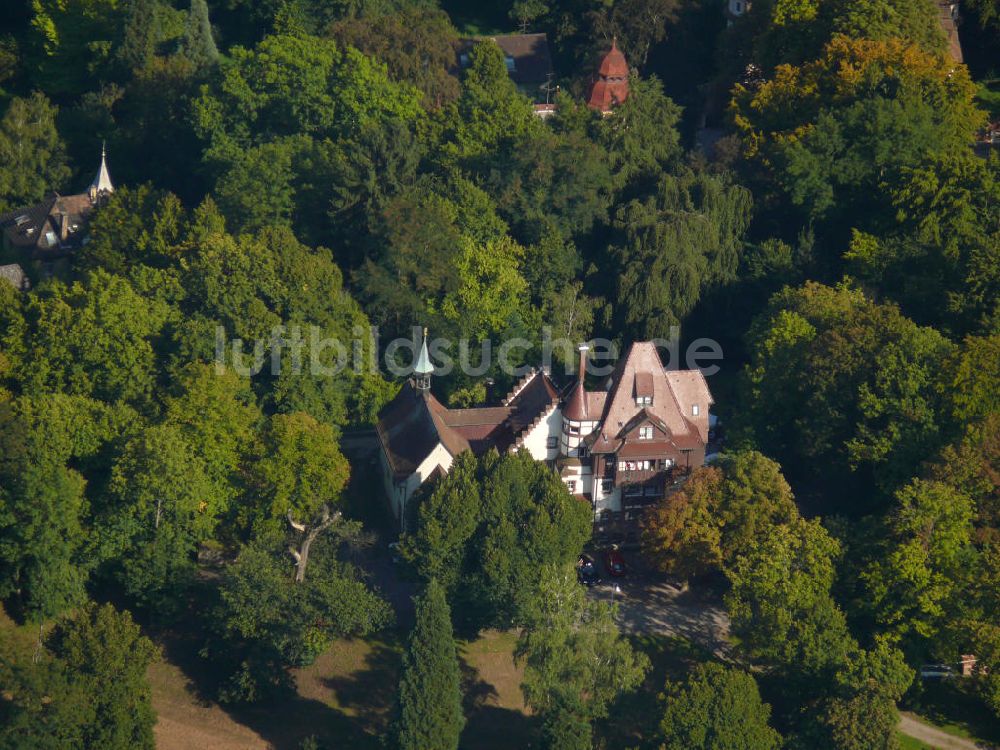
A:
(583, 349)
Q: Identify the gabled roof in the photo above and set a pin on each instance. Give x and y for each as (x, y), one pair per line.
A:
(641, 372)
(641, 418)
(411, 426)
(39, 228)
(415, 422)
(948, 15)
(529, 54)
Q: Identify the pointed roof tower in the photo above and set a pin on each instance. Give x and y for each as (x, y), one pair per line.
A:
(423, 368)
(576, 409)
(101, 186)
(611, 85)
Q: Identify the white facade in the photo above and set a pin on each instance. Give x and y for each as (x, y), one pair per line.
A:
(542, 440)
(400, 492)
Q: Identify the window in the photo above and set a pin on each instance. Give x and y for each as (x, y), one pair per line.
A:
(571, 486)
(607, 485)
(583, 452)
(621, 466)
(50, 238)
(643, 400)
(646, 433)
(511, 65)
(552, 442)
(695, 409)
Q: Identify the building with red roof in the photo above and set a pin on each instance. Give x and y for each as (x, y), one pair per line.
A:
(610, 87)
(616, 447)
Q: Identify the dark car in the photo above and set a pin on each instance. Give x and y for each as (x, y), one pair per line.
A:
(586, 571)
(614, 562)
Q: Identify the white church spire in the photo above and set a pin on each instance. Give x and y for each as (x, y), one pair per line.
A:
(101, 186)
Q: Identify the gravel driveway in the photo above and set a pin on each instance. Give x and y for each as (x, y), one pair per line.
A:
(654, 606)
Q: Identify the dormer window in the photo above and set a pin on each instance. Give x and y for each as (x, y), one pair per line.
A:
(646, 433)
(695, 410)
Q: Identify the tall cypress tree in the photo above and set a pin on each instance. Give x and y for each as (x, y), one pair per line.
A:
(197, 45)
(430, 694)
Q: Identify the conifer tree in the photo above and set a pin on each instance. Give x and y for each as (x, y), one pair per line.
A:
(430, 696)
(197, 45)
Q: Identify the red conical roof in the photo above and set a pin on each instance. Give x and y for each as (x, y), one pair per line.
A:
(614, 64)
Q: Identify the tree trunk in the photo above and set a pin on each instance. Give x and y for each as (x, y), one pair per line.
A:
(311, 531)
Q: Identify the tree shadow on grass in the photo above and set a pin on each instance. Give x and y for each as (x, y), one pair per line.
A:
(956, 703)
(283, 721)
(371, 691)
(488, 725)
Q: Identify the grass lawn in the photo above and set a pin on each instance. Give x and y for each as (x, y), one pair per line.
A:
(345, 698)
(909, 743)
(953, 707)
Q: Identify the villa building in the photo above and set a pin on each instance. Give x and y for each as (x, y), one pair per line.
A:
(616, 447)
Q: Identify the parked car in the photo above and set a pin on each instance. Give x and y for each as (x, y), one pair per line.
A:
(614, 562)
(586, 571)
(936, 671)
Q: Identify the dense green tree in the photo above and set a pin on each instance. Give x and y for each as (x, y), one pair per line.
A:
(673, 245)
(641, 139)
(549, 181)
(87, 687)
(31, 152)
(718, 515)
(860, 713)
(866, 376)
(565, 726)
(42, 505)
(300, 477)
(487, 530)
(490, 110)
(417, 44)
(837, 135)
(197, 44)
(716, 708)
(575, 660)
(162, 504)
(73, 42)
(430, 694)
(106, 649)
(928, 554)
(265, 623)
(447, 519)
(290, 85)
(780, 602)
(140, 33)
(93, 338)
(136, 225)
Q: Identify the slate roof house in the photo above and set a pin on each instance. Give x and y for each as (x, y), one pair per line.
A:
(52, 229)
(529, 63)
(615, 447)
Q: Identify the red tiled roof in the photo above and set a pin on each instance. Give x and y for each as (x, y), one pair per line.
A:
(614, 64)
